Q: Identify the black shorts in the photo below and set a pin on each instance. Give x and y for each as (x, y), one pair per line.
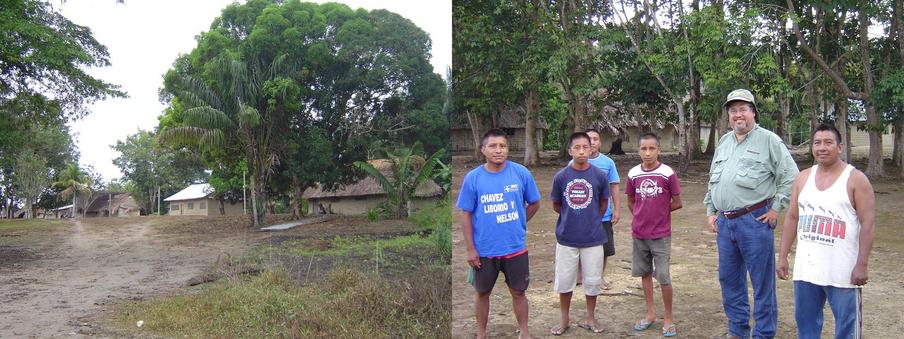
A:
(516, 270)
(609, 246)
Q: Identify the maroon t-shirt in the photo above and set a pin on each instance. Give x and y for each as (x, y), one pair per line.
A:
(652, 191)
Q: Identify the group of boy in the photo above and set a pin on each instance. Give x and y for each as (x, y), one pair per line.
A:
(752, 179)
(499, 197)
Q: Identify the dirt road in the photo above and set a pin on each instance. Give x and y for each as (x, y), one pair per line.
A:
(74, 271)
(697, 300)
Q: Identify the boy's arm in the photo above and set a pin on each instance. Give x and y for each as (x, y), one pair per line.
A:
(467, 230)
(676, 202)
(616, 203)
(532, 209)
(631, 204)
(557, 206)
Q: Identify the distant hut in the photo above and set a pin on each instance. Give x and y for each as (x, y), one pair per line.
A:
(360, 197)
(198, 199)
(509, 120)
(117, 204)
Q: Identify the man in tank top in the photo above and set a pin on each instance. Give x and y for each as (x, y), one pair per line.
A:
(832, 216)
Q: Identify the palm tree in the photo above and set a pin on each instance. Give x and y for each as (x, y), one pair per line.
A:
(73, 180)
(407, 172)
(234, 107)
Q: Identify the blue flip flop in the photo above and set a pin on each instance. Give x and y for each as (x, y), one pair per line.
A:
(642, 325)
(669, 331)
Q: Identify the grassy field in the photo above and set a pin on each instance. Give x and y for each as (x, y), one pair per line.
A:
(391, 279)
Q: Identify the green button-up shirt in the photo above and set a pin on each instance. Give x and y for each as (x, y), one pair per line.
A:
(747, 172)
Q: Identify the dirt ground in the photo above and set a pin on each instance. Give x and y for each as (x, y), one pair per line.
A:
(697, 307)
(55, 281)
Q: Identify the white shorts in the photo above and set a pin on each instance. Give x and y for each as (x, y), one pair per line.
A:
(591, 259)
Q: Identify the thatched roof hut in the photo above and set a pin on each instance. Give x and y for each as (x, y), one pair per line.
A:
(359, 197)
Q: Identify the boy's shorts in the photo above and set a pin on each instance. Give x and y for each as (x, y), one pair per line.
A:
(591, 261)
(609, 246)
(516, 270)
(652, 256)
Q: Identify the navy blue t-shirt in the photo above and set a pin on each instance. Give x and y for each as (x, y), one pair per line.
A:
(580, 192)
(498, 206)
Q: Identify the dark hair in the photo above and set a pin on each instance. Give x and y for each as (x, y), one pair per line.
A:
(493, 133)
(826, 127)
(577, 135)
(591, 129)
(646, 136)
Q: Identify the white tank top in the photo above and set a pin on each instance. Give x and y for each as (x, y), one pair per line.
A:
(828, 233)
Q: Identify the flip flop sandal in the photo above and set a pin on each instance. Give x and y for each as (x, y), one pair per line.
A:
(591, 328)
(642, 325)
(558, 330)
(669, 331)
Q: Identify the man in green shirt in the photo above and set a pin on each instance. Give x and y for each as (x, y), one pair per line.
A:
(749, 184)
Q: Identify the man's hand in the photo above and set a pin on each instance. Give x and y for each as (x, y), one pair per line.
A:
(473, 258)
(711, 221)
(770, 217)
(860, 275)
(782, 269)
(616, 216)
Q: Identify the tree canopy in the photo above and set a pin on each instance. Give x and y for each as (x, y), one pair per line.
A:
(620, 63)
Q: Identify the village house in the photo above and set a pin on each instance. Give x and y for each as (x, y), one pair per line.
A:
(510, 120)
(198, 199)
(117, 204)
(360, 197)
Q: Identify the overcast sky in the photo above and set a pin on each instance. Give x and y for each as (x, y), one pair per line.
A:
(144, 37)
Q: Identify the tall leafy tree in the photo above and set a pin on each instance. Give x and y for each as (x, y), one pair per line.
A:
(228, 110)
(149, 167)
(45, 54)
(72, 181)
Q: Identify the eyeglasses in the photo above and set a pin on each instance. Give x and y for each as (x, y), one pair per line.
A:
(741, 110)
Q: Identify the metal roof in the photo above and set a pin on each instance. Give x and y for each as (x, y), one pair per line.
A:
(193, 191)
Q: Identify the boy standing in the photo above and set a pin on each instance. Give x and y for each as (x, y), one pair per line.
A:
(497, 199)
(653, 193)
(584, 189)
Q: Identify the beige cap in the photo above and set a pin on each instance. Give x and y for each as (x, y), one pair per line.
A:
(740, 94)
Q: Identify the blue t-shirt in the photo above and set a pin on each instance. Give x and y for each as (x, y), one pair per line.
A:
(580, 221)
(497, 204)
(608, 166)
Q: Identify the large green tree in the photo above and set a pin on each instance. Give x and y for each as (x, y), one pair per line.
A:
(289, 86)
(44, 84)
(150, 168)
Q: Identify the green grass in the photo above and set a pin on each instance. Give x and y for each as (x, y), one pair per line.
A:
(408, 300)
(22, 224)
(348, 304)
(342, 246)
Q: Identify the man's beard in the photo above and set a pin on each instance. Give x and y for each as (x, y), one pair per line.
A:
(740, 126)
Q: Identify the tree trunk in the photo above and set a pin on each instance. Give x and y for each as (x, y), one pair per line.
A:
(841, 117)
(694, 137)
(28, 211)
(683, 157)
(711, 140)
(531, 153)
(579, 113)
(874, 164)
(255, 219)
(296, 198)
(476, 133)
(782, 128)
(898, 151)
